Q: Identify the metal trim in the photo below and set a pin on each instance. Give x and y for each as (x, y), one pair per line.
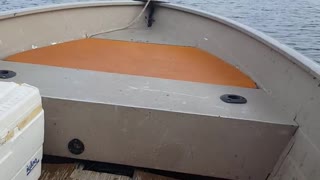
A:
(65, 6)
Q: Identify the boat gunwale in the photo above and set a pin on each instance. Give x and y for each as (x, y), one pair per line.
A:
(63, 6)
(294, 56)
(310, 66)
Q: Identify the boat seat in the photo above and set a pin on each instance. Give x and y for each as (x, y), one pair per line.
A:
(142, 59)
(159, 123)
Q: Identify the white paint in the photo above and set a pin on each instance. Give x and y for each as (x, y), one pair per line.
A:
(134, 88)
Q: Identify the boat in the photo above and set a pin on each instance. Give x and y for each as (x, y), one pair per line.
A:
(157, 85)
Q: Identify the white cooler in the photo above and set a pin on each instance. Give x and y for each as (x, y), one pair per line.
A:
(21, 132)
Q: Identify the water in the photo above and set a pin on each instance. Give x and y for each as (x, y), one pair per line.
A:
(293, 22)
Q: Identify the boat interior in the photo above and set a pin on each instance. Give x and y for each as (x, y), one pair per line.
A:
(138, 58)
(180, 90)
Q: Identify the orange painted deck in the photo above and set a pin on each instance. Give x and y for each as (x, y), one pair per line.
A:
(142, 59)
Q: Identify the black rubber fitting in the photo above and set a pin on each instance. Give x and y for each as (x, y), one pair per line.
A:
(6, 74)
(233, 99)
(76, 146)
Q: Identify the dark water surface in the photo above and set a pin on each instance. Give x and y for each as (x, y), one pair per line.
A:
(293, 22)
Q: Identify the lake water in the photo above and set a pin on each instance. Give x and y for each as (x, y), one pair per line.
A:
(293, 22)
